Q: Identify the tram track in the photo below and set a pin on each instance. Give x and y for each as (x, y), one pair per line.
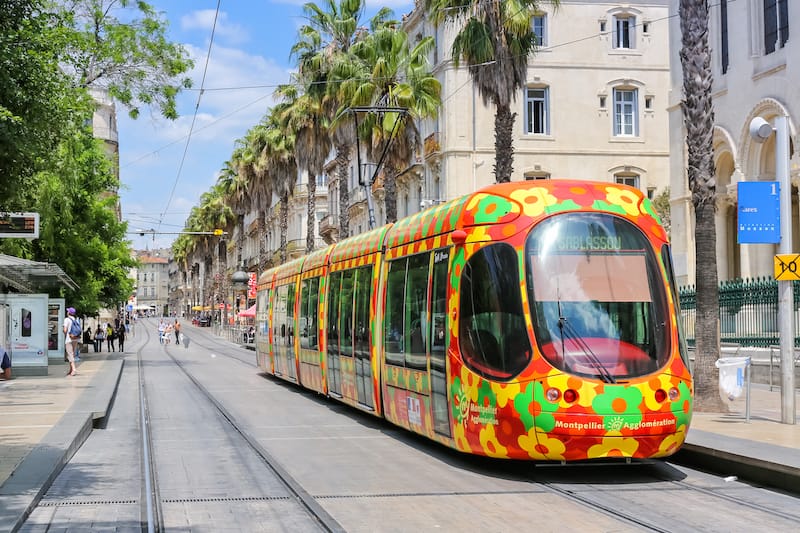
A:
(297, 494)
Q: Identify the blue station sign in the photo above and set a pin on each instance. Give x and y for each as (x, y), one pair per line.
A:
(759, 216)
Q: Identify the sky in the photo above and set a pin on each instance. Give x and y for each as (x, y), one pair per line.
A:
(166, 165)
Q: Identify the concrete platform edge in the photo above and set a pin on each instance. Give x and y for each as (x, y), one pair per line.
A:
(750, 469)
(30, 481)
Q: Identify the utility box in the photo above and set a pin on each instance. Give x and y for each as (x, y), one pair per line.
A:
(27, 332)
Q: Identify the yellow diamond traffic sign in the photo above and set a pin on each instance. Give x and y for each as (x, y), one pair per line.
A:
(787, 267)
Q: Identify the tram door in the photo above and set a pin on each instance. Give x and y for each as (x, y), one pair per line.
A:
(334, 367)
(361, 334)
(439, 334)
(283, 332)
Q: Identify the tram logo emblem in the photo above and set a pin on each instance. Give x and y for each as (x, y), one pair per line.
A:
(615, 424)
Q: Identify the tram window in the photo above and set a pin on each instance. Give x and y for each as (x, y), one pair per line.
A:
(346, 313)
(333, 312)
(493, 337)
(393, 333)
(309, 302)
(666, 258)
(290, 315)
(362, 301)
(279, 318)
(416, 308)
(597, 297)
(438, 324)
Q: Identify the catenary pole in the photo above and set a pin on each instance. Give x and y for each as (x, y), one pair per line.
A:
(785, 292)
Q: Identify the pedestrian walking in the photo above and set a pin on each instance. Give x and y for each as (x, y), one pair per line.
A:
(121, 336)
(177, 328)
(110, 337)
(87, 339)
(72, 336)
(99, 337)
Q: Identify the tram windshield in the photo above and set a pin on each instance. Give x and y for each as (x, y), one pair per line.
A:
(597, 297)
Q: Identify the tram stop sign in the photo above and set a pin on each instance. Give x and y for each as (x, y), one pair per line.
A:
(759, 214)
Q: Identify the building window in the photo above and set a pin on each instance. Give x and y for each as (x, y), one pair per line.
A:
(602, 26)
(624, 36)
(630, 179)
(537, 116)
(776, 24)
(539, 25)
(626, 121)
(648, 102)
(602, 101)
(723, 34)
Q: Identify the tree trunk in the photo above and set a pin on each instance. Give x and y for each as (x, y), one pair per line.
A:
(698, 117)
(311, 233)
(284, 225)
(390, 193)
(503, 143)
(342, 166)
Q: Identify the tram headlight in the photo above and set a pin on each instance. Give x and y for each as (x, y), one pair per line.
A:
(660, 395)
(553, 395)
(674, 394)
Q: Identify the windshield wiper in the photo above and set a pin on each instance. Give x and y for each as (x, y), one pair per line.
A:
(573, 335)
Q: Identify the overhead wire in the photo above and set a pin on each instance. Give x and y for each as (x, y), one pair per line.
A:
(194, 117)
(204, 89)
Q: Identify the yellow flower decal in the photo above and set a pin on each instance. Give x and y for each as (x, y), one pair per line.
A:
(534, 201)
(470, 383)
(670, 444)
(548, 448)
(490, 444)
(614, 447)
(460, 439)
(505, 393)
(625, 199)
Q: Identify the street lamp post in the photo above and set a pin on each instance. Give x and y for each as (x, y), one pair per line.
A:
(760, 131)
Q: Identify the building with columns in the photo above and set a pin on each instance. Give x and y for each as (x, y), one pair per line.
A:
(756, 71)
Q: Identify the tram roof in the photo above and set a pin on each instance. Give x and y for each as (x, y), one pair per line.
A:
(360, 245)
(433, 221)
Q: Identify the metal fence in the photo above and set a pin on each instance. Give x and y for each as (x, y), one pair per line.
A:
(748, 312)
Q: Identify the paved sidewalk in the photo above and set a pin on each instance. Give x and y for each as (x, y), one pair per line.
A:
(45, 420)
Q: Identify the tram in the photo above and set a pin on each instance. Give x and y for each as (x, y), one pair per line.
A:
(527, 320)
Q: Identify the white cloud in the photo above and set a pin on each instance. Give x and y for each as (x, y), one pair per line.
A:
(204, 20)
(152, 149)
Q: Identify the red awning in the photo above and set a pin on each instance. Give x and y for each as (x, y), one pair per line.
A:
(249, 312)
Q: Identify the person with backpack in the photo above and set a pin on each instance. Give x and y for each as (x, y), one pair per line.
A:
(72, 337)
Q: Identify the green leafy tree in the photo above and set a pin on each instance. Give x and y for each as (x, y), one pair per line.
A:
(133, 60)
(36, 99)
(495, 40)
(79, 228)
(322, 50)
(698, 119)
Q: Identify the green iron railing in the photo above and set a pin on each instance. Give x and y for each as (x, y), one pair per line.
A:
(748, 311)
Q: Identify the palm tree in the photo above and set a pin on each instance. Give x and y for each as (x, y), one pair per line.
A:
(698, 119)
(495, 41)
(261, 184)
(394, 75)
(279, 156)
(306, 117)
(324, 42)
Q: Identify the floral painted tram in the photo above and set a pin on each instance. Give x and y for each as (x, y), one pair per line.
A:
(528, 320)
